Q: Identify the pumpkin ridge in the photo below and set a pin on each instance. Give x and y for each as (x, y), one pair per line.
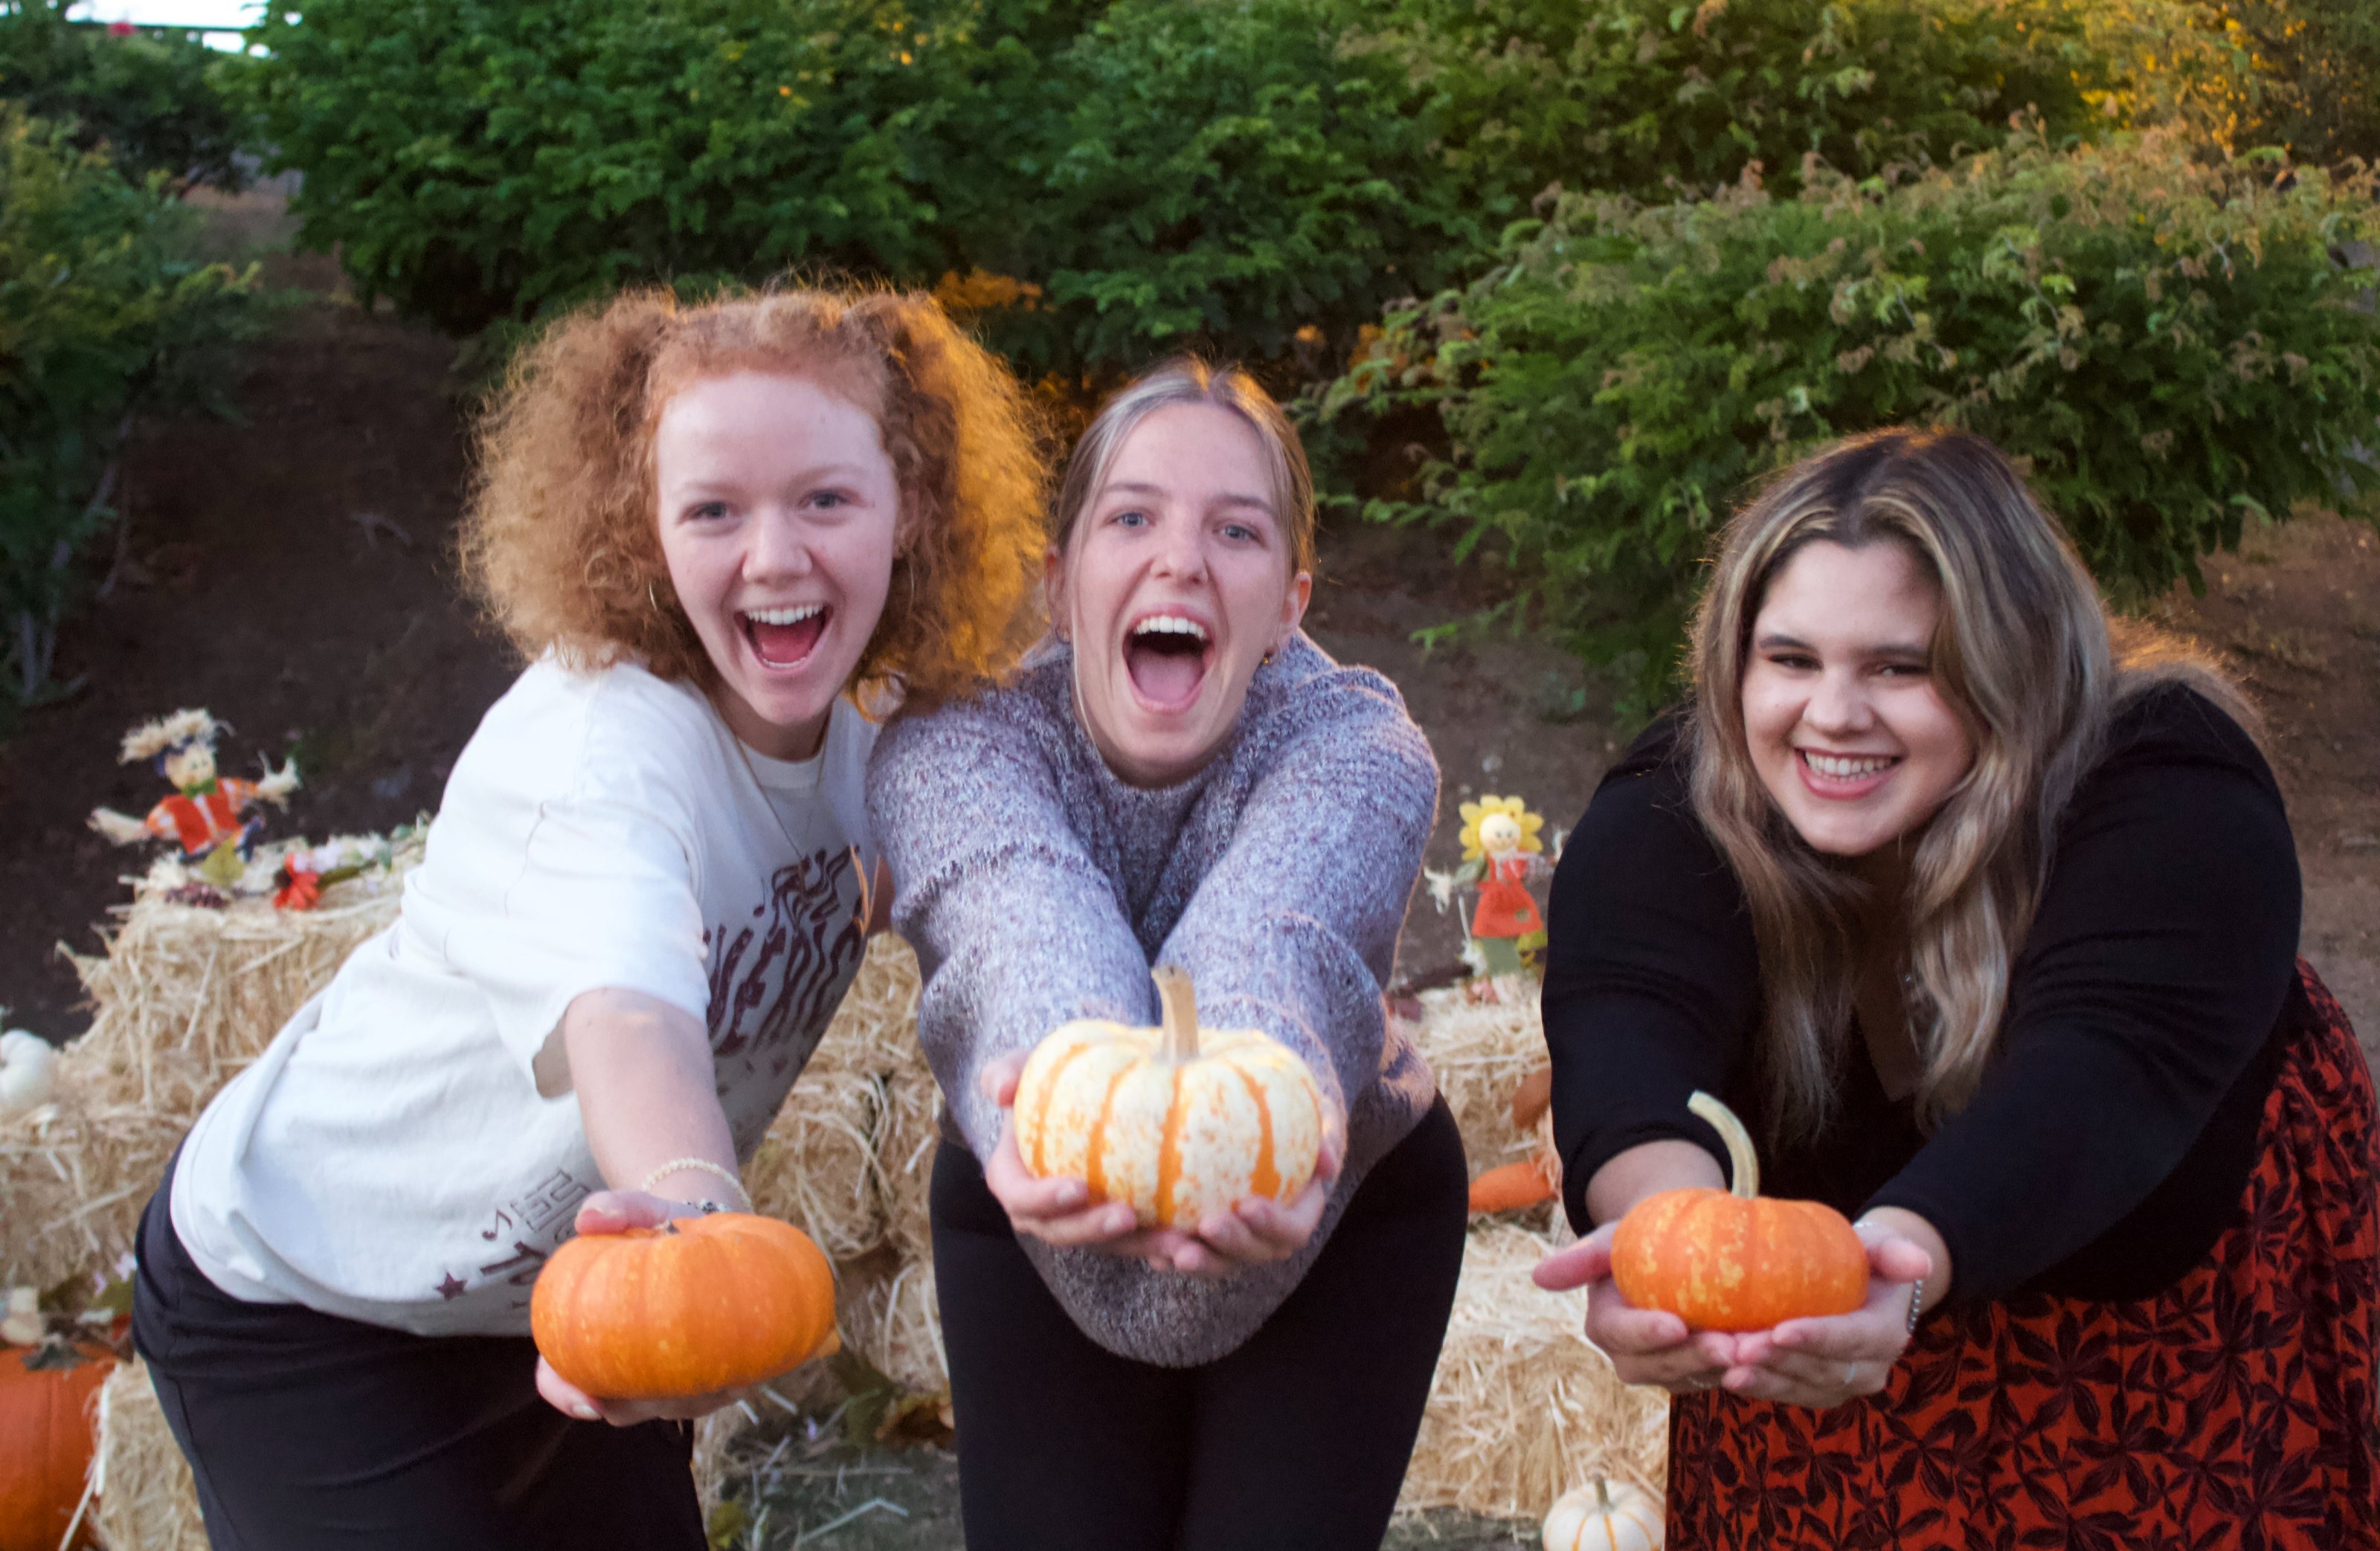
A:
(1039, 1163)
(1169, 1149)
(1264, 1178)
(1094, 1172)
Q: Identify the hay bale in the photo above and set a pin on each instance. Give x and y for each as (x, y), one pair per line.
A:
(817, 1166)
(1480, 1049)
(875, 1030)
(143, 1498)
(889, 1316)
(1522, 1408)
(906, 1137)
(183, 997)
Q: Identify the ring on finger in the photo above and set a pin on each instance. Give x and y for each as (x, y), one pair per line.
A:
(1851, 1374)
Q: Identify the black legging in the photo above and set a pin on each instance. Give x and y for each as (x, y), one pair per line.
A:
(307, 1432)
(1299, 1439)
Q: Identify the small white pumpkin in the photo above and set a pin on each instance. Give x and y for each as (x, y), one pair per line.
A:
(22, 1325)
(1605, 1516)
(28, 1073)
(1178, 1121)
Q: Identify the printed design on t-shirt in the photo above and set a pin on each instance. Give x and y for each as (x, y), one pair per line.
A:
(531, 1219)
(770, 983)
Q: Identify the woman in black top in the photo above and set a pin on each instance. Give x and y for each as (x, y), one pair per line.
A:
(1991, 924)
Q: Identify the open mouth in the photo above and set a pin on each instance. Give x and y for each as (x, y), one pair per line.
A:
(1845, 775)
(1166, 656)
(784, 638)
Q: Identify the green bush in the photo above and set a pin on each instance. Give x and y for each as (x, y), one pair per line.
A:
(479, 160)
(2309, 76)
(2166, 343)
(1652, 98)
(101, 316)
(155, 99)
(1254, 177)
(1216, 175)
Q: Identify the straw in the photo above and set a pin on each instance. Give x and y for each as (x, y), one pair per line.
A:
(1522, 1408)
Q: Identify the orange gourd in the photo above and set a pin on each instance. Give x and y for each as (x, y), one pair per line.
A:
(1733, 1260)
(1178, 1121)
(697, 1305)
(45, 1446)
(1512, 1186)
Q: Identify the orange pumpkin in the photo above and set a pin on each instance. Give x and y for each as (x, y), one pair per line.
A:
(1514, 1185)
(1733, 1260)
(45, 1446)
(697, 1305)
(1178, 1120)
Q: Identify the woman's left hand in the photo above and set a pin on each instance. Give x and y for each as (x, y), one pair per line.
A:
(1824, 1362)
(616, 1211)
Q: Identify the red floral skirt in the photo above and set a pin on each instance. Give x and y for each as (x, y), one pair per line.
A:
(2236, 1409)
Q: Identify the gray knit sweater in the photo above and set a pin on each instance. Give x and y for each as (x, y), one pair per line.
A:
(1037, 888)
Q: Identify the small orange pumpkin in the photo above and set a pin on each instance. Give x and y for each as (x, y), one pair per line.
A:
(1735, 1261)
(1514, 1185)
(45, 1446)
(697, 1305)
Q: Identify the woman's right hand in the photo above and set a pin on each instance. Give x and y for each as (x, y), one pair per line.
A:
(1059, 1211)
(1647, 1346)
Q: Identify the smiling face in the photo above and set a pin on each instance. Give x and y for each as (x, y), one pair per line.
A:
(1847, 728)
(1174, 586)
(780, 516)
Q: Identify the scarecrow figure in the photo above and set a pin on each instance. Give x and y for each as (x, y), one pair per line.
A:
(1501, 853)
(204, 816)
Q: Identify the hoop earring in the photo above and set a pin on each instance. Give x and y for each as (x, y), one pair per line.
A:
(652, 598)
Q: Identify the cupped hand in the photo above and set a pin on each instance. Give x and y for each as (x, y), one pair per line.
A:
(1823, 1363)
(1258, 1229)
(1056, 1210)
(1647, 1346)
(616, 1211)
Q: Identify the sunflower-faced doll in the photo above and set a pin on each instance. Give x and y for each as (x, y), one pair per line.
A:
(1501, 851)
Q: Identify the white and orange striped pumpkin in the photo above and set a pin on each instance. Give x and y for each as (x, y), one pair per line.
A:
(1178, 1121)
(1605, 1516)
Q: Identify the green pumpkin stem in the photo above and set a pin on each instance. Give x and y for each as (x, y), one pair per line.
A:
(1744, 1165)
(1603, 1496)
(1181, 1041)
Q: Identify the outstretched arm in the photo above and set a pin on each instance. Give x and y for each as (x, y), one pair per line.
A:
(1294, 930)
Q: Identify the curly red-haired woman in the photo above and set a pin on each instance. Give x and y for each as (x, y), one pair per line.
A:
(717, 532)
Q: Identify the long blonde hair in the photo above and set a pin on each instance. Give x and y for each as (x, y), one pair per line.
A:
(2023, 653)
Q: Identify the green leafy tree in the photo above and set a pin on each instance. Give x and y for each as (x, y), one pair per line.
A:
(103, 315)
(2166, 343)
(484, 160)
(156, 100)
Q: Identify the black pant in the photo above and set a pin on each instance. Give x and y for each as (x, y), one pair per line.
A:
(307, 1432)
(1299, 1439)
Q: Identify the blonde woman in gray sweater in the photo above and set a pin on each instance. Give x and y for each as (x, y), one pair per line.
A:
(1180, 776)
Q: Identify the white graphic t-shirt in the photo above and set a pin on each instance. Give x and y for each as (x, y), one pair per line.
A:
(408, 1150)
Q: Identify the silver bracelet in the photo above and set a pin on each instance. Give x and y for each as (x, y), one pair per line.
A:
(662, 1172)
(1916, 1303)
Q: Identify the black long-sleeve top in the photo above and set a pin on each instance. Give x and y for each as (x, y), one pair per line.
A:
(2112, 1135)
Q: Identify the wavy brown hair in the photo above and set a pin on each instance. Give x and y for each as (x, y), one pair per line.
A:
(2023, 653)
(562, 540)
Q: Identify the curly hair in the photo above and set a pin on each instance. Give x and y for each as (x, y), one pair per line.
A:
(562, 541)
